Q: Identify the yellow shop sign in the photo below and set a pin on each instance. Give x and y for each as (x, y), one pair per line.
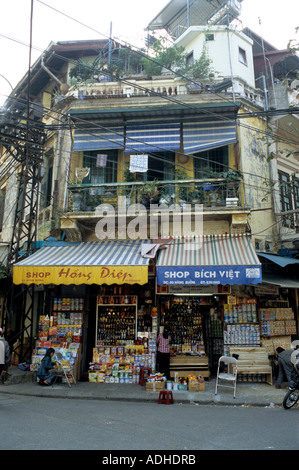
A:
(80, 275)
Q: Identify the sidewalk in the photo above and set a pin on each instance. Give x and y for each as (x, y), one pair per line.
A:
(248, 394)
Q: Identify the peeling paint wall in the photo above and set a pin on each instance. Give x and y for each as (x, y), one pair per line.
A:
(257, 178)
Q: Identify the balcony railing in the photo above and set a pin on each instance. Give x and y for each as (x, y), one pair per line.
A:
(213, 194)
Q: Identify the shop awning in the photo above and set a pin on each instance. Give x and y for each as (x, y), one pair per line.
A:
(281, 261)
(209, 260)
(98, 138)
(107, 262)
(205, 135)
(152, 138)
(281, 281)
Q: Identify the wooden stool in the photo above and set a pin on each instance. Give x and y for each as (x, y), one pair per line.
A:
(143, 379)
(165, 396)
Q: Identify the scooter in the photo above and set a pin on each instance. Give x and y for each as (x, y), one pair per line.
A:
(292, 396)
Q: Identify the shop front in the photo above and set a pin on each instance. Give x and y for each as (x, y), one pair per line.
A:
(99, 299)
(205, 288)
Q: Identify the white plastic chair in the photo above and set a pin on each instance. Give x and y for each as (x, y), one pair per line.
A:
(230, 375)
(65, 368)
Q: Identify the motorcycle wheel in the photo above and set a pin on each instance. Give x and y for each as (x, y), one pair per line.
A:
(290, 399)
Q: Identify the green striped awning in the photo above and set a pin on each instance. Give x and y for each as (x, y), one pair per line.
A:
(209, 259)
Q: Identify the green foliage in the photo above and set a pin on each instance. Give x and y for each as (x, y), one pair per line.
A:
(83, 71)
(201, 68)
(169, 57)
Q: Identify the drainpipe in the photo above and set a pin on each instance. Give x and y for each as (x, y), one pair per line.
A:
(49, 72)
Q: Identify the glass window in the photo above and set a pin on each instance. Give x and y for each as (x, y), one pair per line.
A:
(103, 166)
(296, 199)
(242, 56)
(286, 198)
(211, 163)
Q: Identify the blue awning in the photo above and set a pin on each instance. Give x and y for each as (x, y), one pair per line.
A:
(99, 138)
(209, 260)
(281, 261)
(152, 138)
(205, 135)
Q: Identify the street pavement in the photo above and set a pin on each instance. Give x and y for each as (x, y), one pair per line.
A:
(248, 394)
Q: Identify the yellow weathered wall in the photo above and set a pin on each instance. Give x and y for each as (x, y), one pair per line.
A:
(256, 177)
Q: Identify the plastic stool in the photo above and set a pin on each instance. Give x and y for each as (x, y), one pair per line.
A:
(143, 379)
(165, 396)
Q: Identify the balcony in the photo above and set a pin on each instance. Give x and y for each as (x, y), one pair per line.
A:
(216, 194)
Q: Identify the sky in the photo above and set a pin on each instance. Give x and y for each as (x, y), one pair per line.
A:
(129, 18)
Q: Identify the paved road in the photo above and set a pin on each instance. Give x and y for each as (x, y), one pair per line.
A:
(30, 423)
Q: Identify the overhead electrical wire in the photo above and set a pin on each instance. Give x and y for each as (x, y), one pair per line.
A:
(177, 101)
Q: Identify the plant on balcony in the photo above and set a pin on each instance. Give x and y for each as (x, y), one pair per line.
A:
(168, 57)
(195, 196)
(148, 193)
(232, 175)
(182, 189)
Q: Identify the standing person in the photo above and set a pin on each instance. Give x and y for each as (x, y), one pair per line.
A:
(163, 342)
(4, 356)
(286, 368)
(44, 373)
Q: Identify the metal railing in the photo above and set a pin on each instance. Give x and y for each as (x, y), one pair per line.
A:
(213, 194)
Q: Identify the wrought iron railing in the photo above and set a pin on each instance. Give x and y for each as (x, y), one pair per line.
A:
(215, 193)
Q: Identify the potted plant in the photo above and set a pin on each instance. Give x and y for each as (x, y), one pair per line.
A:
(195, 196)
(182, 189)
(148, 192)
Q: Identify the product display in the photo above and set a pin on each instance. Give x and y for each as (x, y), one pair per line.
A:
(241, 323)
(244, 312)
(277, 321)
(119, 364)
(70, 356)
(62, 331)
(116, 320)
(184, 320)
(65, 322)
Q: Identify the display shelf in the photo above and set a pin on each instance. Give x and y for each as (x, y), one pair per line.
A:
(116, 321)
(182, 365)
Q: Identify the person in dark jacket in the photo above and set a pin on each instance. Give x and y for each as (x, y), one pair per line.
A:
(4, 356)
(46, 373)
(286, 367)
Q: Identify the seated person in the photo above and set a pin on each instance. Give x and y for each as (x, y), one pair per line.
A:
(45, 373)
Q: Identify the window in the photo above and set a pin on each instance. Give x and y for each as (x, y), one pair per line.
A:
(242, 56)
(190, 59)
(160, 166)
(102, 170)
(296, 199)
(47, 181)
(210, 163)
(2, 205)
(286, 192)
(209, 37)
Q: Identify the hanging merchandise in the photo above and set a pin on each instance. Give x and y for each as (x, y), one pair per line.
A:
(125, 338)
(61, 330)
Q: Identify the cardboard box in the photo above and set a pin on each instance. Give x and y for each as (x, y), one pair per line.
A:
(196, 387)
(155, 386)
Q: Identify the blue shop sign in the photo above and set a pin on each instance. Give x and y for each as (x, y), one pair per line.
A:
(208, 275)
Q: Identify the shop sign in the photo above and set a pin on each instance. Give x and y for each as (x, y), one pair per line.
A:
(266, 289)
(80, 275)
(208, 275)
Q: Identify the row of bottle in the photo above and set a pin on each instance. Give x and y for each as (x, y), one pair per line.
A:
(67, 304)
(117, 300)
